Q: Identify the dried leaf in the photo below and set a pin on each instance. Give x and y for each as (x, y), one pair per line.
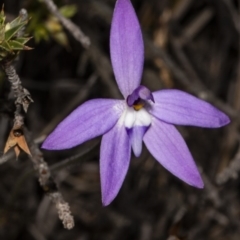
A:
(23, 144)
(10, 142)
(17, 140)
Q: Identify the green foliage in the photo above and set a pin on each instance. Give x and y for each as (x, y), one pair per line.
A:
(10, 40)
(44, 26)
(68, 11)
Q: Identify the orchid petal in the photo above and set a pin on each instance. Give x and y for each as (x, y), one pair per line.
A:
(177, 107)
(126, 47)
(136, 136)
(167, 146)
(91, 119)
(114, 162)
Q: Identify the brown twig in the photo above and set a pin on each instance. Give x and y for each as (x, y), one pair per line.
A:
(17, 140)
(22, 95)
(211, 191)
(230, 172)
(50, 188)
(23, 99)
(181, 10)
(195, 26)
(75, 158)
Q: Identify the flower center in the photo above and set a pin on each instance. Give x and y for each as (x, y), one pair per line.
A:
(138, 106)
(136, 118)
(139, 97)
(139, 118)
(136, 123)
(136, 114)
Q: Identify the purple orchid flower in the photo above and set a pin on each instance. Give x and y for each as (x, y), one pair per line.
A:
(142, 116)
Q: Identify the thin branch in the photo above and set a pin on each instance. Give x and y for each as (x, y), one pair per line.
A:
(212, 192)
(75, 158)
(6, 157)
(21, 94)
(195, 26)
(50, 188)
(46, 181)
(230, 172)
(23, 98)
(17, 140)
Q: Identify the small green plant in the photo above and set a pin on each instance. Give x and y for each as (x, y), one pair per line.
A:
(11, 39)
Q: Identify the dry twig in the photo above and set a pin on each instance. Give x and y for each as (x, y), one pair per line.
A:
(231, 171)
(17, 140)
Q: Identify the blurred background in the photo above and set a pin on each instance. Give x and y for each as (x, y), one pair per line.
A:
(189, 45)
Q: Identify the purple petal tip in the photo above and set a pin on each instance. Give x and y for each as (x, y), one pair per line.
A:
(201, 185)
(45, 145)
(114, 161)
(169, 148)
(106, 202)
(224, 120)
(196, 181)
(177, 107)
(126, 47)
